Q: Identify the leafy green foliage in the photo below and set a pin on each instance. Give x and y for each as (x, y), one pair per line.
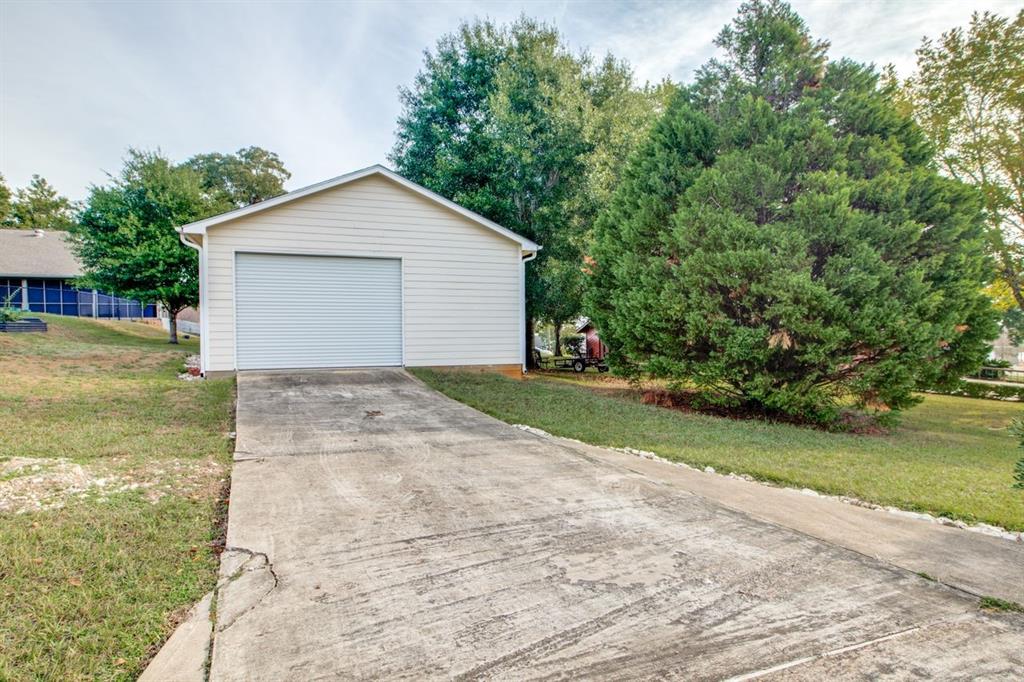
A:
(250, 175)
(8, 311)
(5, 202)
(782, 242)
(36, 207)
(509, 123)
(971, 389)
(968, 96)
(127, 240)
(11, 314)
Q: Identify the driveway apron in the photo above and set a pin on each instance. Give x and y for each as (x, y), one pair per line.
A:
(378, 529)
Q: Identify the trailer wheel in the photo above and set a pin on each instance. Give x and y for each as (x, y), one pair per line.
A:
(578, 366)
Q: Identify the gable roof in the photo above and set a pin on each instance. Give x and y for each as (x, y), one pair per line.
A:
(200, 226)
(30, 253)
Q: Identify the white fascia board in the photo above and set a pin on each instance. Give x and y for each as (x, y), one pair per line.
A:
(200, 226)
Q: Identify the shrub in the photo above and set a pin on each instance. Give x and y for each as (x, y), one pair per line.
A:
(970, 389)
(783, 242)
(9, 313)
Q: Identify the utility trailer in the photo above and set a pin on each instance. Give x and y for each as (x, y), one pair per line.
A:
(577, 363)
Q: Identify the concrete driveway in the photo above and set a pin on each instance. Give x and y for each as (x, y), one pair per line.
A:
(380, 530)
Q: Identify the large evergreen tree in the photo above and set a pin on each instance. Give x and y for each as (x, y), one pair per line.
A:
(782, 240)
(509, 123)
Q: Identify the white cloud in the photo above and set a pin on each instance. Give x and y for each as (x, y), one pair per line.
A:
(317, 82)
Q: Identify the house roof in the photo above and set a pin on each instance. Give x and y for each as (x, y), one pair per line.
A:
(200, 226)
(583, 324)
(37, 253)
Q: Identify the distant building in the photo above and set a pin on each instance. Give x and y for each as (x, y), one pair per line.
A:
(37, 269)
(1004, 349)
(594, 347)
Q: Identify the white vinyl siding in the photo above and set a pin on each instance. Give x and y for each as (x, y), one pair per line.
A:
(461, 281)
(317, 311)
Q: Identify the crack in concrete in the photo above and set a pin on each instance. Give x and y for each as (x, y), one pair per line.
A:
(242, 570)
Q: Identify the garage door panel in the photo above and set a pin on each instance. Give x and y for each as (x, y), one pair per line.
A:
(310, 311)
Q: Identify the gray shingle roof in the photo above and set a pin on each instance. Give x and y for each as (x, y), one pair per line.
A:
(23, 254)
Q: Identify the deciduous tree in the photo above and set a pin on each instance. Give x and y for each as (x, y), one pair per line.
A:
(248, 176)
(509, 123)
(968, 97)
(127, 240)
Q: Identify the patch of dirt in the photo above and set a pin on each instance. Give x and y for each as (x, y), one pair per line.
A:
(30, 484)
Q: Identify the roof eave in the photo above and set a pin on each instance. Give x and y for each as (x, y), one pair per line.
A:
(200, 226)
(36, 275)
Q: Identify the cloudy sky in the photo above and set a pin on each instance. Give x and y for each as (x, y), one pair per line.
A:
(317, 81)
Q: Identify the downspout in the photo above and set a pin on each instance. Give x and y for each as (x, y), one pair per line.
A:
(523, 350)
(202, 308)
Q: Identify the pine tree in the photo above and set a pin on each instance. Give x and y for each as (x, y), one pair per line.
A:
(39, 207)
(783, 242)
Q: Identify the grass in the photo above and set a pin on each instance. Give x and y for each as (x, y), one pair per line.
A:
(106, 541)
(949, 456)
(997, 604)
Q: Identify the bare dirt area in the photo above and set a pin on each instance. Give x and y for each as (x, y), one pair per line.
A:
(29, 484)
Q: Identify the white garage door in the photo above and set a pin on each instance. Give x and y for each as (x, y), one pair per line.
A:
(316, 311)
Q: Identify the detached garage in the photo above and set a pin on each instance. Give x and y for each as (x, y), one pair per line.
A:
(364, 270)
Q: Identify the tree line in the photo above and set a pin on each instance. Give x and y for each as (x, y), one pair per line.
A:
(783, 233)
(124, 232)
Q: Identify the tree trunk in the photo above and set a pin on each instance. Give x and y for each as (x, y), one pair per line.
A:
(1013, 280)
(558, 339)
(531, 362)
(173, 327)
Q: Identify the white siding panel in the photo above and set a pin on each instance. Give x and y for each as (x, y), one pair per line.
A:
(460, 280)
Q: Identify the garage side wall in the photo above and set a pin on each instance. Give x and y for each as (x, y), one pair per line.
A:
(461, 284)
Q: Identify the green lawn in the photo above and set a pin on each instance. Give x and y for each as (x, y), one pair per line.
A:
(111, 469)
(950, 456)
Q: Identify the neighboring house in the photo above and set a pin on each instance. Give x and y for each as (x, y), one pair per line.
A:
(36, 272)
(1005, 349)
(364, 270)
(594, 347)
